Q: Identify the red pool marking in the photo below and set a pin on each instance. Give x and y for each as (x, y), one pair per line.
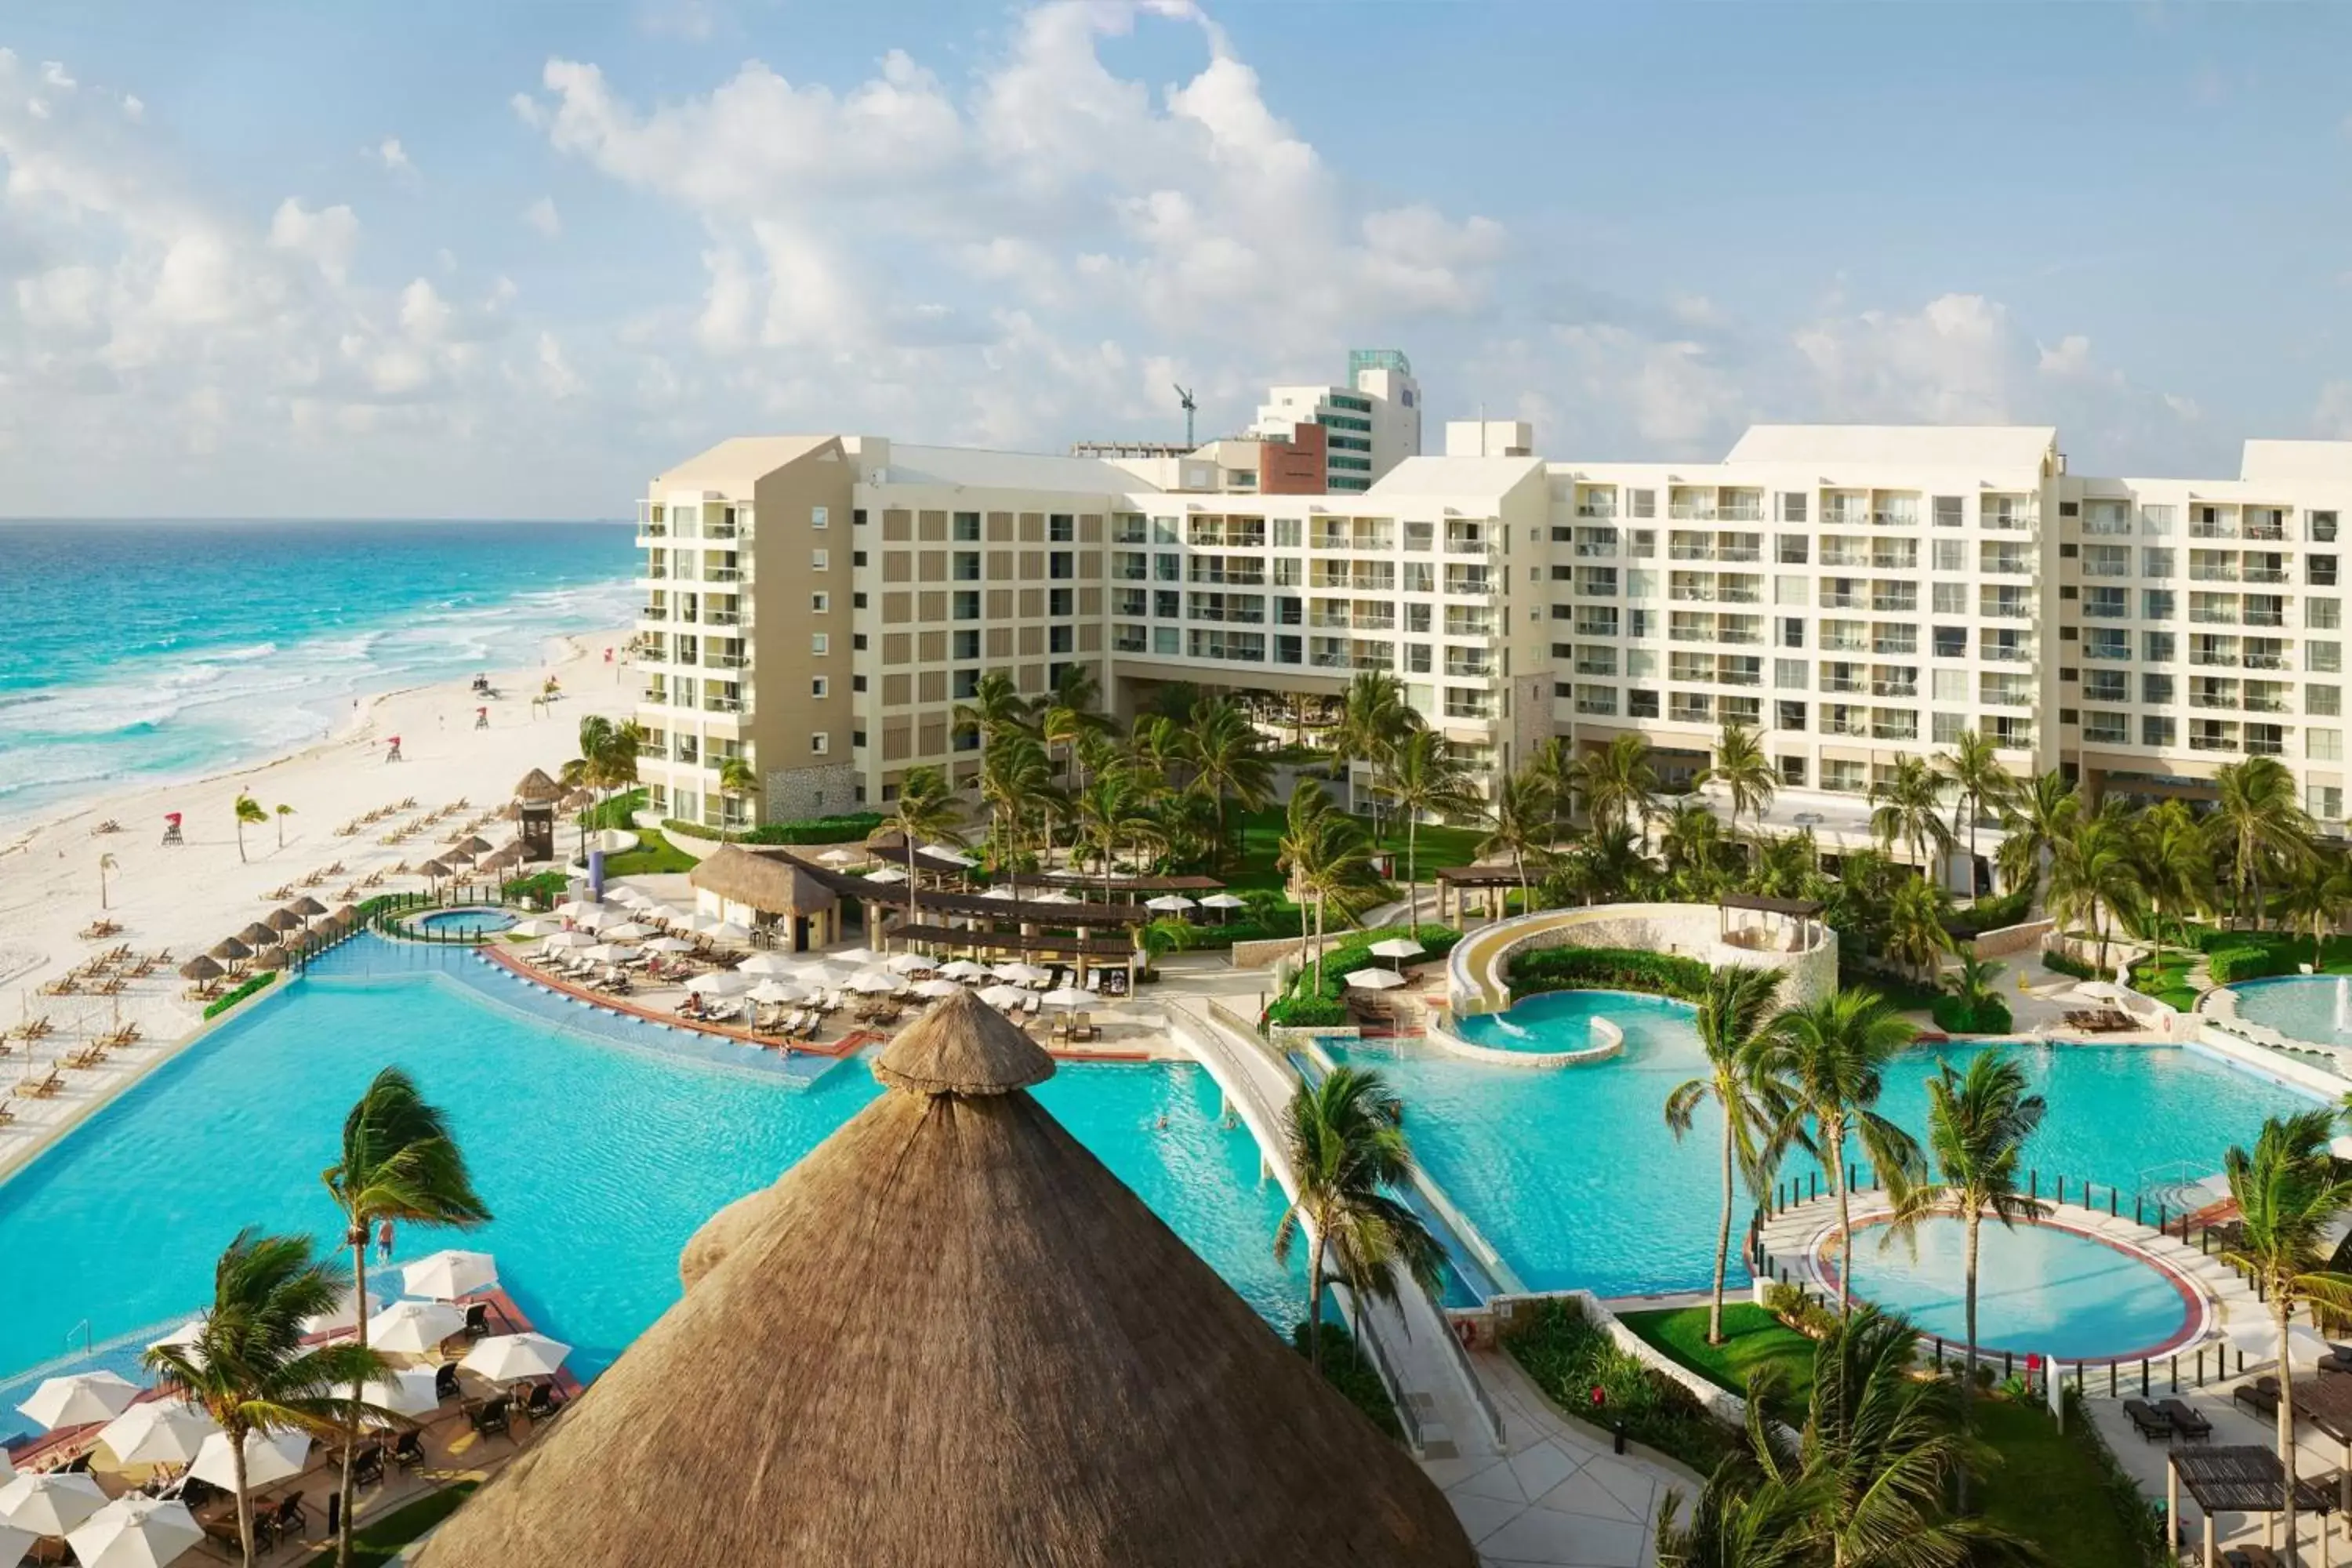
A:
(2193, 1302)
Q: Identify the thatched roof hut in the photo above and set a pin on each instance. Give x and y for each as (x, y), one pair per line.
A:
(255, 935)
(768, 883)
(537, 789)
(201, 968)
(307, 905)
(950, 1336)
(230, 949)
(284, 920)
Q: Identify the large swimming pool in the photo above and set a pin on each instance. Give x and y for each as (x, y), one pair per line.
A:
(600, 1155)
(1574, 1177)
(2300, 1007)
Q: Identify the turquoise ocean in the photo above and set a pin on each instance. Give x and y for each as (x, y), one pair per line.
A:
(145, 651)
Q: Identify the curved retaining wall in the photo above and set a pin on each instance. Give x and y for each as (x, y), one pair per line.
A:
(1475, 969)
(1607, 1040)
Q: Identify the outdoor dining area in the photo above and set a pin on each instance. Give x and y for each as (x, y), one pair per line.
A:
(133, 1476)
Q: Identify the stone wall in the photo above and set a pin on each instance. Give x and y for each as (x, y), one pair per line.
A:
(800, 795)
(1686, 931)
(2007, 940)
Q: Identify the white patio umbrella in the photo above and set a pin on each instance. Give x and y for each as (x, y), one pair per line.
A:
(821, 977)
(963, 969)
(767, 963)
(404, 1391)
(565, 939)
(610, 952)
(910, 962)
(719, 983)
(1168, 903)
(774, 993)
(447, 1275)
(80, 1398)
(15, 1543)
(572, 909)
(999, 891)
(887, 874)
(1056, 895)
(135, 1531)
(1022, 973)
(534, 927)
(874, 982)
(414, 1326)
(1375, 979)
(626, 931)
(503, 1358)
(726, 931)
(184, 1336)
(346, 1312)
(158, 1432)
(669, 945)
(936, 986)
(1398, 947)
(600, 917)
(1223, 902)
(633, 896)
(844, 856)
(856, 957)
(943, 852)
(270, 1456)
(1069, 997)
(1004, 995)
(51, 1504)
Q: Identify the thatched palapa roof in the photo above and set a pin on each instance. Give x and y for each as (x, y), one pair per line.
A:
(950, 1336)
(766, 882)
(536, 788)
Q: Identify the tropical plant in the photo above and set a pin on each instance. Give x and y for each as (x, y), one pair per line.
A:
(1617, 783)
(1374, 717)
(1978, 1126)
(1692, 843)
(1015, 779)
(1827, 1061)
(738, 780)
(281, 812)
(2289, 1195)
(1738, 1521)
(2093, 874)
(1425, 780)
(2175, 865)
(247, 1366)
(1732, 1019)
(1229, 758)
(996, 708)
(1518, 823)
(247, 811)
(1916, 936)
(926, 808)
(1744, 771)
(1302, 831)
(1907, 810)
(1972, 983)
(1973, 768)
(1346, 1141)
(398, 1163)
(2317, 897)
(2256, 824)
(2037, 817)
(1334, 865)
(1110, 816)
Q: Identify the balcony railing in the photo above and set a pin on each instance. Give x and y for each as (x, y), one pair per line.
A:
(721, 617)
(2213, 742)
(722, 705)
(722, 573)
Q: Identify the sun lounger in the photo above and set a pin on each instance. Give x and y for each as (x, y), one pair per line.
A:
(7, 1113)
(41, 1087)
(2263, 1402)
(2153, 1425)
(408, 1450)
(63, 985)
(490, 1418)
(2187, 1420)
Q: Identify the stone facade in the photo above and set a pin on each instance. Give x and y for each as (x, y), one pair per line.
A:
(797, 794)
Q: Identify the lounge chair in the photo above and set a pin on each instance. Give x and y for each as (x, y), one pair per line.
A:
(289, 1512)
(2187, 1420)
(2263, 1402)
(367, 1465)
(2153, 1425)
(408, 1450)
(490, 1417)
(444, 1380)
(6, 1114)
(478, 1320)
(540, 1402)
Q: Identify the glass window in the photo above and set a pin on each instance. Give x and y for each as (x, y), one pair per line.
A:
(1951, 598)
(820, 560)
(2323, 615)
(819, 643)
(1790, 674)
(2156, 647)
(818, 517)
(1793, 548)
(1951, 642)
(1947, 511)
(2157, 604)
(967, 529)
(1951, 556)
(2323, 657)
(2328, 702)
(1287, 533)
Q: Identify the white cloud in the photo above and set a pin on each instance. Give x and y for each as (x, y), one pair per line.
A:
(326, 238)
(393, 158)
(541, 216)
(2331, 416)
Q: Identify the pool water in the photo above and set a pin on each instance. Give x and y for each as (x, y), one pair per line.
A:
(599, 1157)
(1571, 1174)
(2300, 1007)
(465, 922)
(2039, 1290)
(1555, 1021)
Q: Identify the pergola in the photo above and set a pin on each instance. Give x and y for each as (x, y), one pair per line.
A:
(1728, 928)
(2327, 1403)
(1080, 882)
(1459, 879)
(2240, 1479)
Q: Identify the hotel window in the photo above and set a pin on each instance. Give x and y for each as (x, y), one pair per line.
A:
(2156, 730)
(1947, 511)
(2323, 528)
(1598, 701)
(1792, 589)
(1641, 704)
(1790, 674)
(2319, 570)
(1792, 506)
(1064, 639)
(819, 603)
(2104, 685)
(2155, 521)
(2157, 647)
(2155, 562)
(820, 516)
(1061, 601)
(966, 644)
(1167, 604)
(820, 560)
(1947, 728)
(820, 644)
(967, 604)
(967, 565)
(1841, 776)
(2155, 689)
(1792, 770)
(1167, 530)
(1951, 556)
(1062, 563)
(1951, 642)
(2323, 615)
(1416, 659)
(1952, 685)
(2323, 657)
(1167, 640)
(1789, 715)
(1952, 598)
(1061, 528)
(1793, 549)
(2106, 642)
(2325, 701)
(966, 530)
(1642, 503)
(2324, 802)
(819, 686)
(2323, 745)
(2106, 604)
(2106, 728)
(2157, 604)
(821, 742)
(1168, 568)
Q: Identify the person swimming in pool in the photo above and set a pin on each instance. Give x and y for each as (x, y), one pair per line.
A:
(383, 1242)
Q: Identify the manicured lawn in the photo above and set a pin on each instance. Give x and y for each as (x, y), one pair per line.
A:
(1262, 841)
(1753, 1338)
(2049, 1489)
(379, 1541)
(654, 853)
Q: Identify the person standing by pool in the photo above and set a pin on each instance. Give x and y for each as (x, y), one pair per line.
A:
(383, 1242)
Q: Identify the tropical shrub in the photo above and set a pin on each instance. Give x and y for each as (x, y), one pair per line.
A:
(2231, 964)
(1306, 1009)
(1989, 914)
(1954, 1016)
(2143, 1519)
(1545, 969)
(1347, 1369)
(252, 984)
(849, 829)
(1585, 1373)
(2058, 963)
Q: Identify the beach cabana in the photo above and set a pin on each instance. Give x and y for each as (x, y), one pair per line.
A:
(2247, 1478)
(273, 956)
(230, 950)
(751, 889)
(960, 1340)
(535, 797)
(256, 935)
(309, 908)
(285, 920)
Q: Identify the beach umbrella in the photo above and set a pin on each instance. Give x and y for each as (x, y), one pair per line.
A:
(963, 969)
(820, 976)
(1375, 979)
(414, 1326)
(504, 1358)
(158, 1432)
(773, 993)
(284, 920)
(596, 917)
(610, 952)
(1054, 896)
(50, 1503)
(856, 957)
(625, 930)
(456, 859)
(572, 909)
(346, 1312)
(1000, 892)
(942, 852)
(669, 945)
(135, 1531)
(1168, 903)
(626, 895)
(201, 968)
(766, 963)
(448, 1274)
(308, 906)
(1068, 997)
(887, 874)
(1399, 947)
(79, 1399)
(15, 1543)
(1022, 973)
(845, 857)
(726, 931)
(534, 927)
(571, 939)
(270, 1458)
(187, 1333)
(274, 956)
(910, 962)
(404, 1391)
(1223, 902)
(936, 987)
(256, 935)
(874, 982)
(473, 845)
(1004, 995)
(344, 912)
(718, 982)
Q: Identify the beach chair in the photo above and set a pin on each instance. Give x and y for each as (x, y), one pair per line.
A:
(540, 1402)
(489, 1418)
(2153, 1425)
(2261, 1397)
(408, 1450)
(7, 1112)
(367, 1465)
(2187, 1420)
(444, 1380)
(478, 1320)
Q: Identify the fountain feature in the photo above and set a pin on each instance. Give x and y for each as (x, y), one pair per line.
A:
(2343, 1005)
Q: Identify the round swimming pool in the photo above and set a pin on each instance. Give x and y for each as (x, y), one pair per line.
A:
(2300, 1007)
(1562, 1020)
(465, 922)
(2041, 1289)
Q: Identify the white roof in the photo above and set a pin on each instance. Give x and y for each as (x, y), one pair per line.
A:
(974, 465)
(1975, 447)
(1430, 476)
(734, 466)
(2280, 462)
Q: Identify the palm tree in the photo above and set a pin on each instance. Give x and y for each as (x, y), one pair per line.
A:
(1732, 1018)
(247, 1366)
(2317, 894)
(2176, 867)
(1908, 812)
(1348, 1148)
(1302, 832)
(2093, 874)
(1015, 776)
(1978, 1126)
(1110, 816)
(996, 708)
(2038, 815)
(1914, 926)
(1739, 1520)
(2256, 822)
(106, 862)
(1691, 842)
(1555, 762)
(2289, 1194)
(926, 809)
(1617, 783)
(281, 812)
(249, 811)
(1374, 717)
(1425, 780)
(1972, 983)
(1521, 820)
(1229, 757)
(1334, 865)
(736, 780)
(1743, 769)
(1973, 768)
(1827, 1061)
(399, 1164)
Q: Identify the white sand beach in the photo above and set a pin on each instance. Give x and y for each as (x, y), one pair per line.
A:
(187, 897)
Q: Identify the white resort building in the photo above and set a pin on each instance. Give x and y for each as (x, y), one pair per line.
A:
(819, 603)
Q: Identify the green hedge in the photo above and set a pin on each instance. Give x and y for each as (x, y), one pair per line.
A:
(1346, 1369)
(2233, 963)
(2058, 963)
(1989, 914)
(1574, 1361)
(1954, 1018)
(1304, 1007)
(253, 983)
(1544, 968)
(816, 830)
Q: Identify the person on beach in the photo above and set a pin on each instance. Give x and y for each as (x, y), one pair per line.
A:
(392, 750)
(383, 1242)
(481, 718)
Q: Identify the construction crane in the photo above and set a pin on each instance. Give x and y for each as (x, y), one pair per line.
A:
(1185, 400)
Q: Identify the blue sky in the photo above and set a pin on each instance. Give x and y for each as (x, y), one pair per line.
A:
(468, 259)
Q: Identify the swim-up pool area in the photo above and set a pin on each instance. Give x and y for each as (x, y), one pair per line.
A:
(2315, 1007)
(600, 1144)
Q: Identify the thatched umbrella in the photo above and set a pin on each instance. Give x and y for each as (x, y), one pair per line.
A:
(344, 914)
(473, 844)
(270, 957)
(933, 1324)
(201, 969)
(256, 935)
(537, 789)
(308, 906)
(434, 869)
(229, 949)
(284, 920)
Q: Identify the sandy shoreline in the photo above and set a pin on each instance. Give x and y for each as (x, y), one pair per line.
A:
(188, 898)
